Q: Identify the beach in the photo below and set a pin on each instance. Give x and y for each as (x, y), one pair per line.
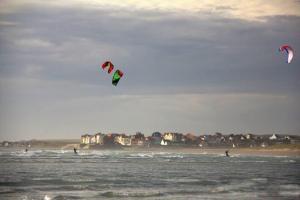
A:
(232, 151)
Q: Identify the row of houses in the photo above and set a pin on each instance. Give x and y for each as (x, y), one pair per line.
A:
(107, 139)
(189, 139)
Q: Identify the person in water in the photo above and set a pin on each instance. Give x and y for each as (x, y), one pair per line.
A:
(75, 150)
(226, 153)
(26, 150)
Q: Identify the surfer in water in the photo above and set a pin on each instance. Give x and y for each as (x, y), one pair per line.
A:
(226, 153)
(75, 150)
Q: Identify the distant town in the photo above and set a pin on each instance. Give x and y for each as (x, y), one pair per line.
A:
(173, 139)
(167, 139)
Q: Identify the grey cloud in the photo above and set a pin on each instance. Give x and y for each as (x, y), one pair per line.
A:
(188, 49)
(171, 51)
(52, 57)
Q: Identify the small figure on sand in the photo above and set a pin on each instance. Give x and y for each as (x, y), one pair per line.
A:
(75, 150)
(226, 153)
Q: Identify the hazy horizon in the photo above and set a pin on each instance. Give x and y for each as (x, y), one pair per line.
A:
(189, 66)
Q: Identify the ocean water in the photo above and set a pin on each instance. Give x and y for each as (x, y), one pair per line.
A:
(60, 175)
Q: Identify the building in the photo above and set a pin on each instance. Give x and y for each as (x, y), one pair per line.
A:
(99, 138)
(93, 139)
(250, 136)
(96, 139)
(174, 137)
(163, 142)
(169, 136)
(156, 138)
(191, 139)
(273, 137)
(138, 139)
(123, 140)
(86, 139)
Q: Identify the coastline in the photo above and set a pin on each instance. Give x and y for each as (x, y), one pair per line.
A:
(274, 150)
(197, 151)
(232, 152)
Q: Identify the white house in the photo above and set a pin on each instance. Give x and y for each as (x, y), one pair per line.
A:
(273, 137)
(99, 138)
(163, 142)
(249, 136)
(93, 139)
(168, 136)
(86, 139)
(123, 140)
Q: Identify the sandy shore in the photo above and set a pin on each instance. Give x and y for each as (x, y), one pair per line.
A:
(235, 151)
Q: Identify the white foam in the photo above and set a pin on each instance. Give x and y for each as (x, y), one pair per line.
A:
(289, 161)
(232, 187)
(142, 155)
(290, 193)
(262, 180)
(173, 156)
(290, 187)
(24, 198)
(78, 179)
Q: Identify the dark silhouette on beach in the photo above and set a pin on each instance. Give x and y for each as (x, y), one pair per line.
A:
(75, 150)
(226, 153)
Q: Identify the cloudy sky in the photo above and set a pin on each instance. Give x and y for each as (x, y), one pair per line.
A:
(196, 66)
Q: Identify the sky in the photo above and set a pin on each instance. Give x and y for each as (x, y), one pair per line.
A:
(190, 66)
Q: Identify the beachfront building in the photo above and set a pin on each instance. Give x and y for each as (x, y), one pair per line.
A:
(191, 139)
(287, 137)
(212, 140)
(137, 142)
(96, 139)
(163, 142)
(243, 137)
(99, 138)
(93, 139)
(109, 139)
(273, 137)
(174, 137)
(156, 138)
(250, 136)
(86, 139)
(169, 136)
(138, 139)
(123, 140)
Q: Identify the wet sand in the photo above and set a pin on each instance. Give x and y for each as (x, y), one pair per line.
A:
(235, 151)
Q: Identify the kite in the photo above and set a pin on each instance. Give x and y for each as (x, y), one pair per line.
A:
(289, 51)
(116, 77)
(109, 65)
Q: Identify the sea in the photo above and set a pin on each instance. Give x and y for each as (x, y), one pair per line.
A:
(116, 174)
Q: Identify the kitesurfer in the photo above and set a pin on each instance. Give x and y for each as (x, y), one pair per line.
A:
(226, 153)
